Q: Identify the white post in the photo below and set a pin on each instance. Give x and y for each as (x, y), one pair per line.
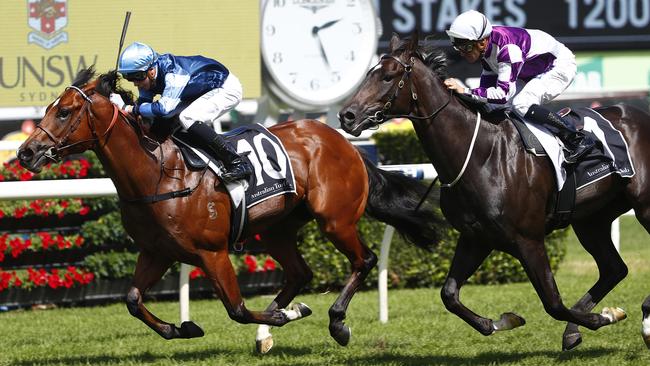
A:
(383, 273)
(184, 292)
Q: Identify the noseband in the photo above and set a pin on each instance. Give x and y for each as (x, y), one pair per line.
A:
(382, 115)
(60, 144)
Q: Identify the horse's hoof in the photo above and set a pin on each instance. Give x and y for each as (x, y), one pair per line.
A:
(613, 314)
(571, 341)
(508, 321)
(189, 329)
(341, 334)
(263, 346)
(302, 309)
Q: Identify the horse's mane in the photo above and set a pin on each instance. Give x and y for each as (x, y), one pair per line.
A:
(432, 56)
(106, 83)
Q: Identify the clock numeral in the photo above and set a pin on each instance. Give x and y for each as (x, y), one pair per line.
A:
(336, 77)
(279, 3)
(357, 28)
(270, 30)
(277, 58)
(294, 77)
(314, 84)
(352, 3)
(350, 56)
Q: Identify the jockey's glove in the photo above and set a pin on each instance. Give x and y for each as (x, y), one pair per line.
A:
(117, 100)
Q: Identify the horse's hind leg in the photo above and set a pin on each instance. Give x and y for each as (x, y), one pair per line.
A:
(281, 245)
(643, 215)
(363, 260)
(149, 269)
(594, 235)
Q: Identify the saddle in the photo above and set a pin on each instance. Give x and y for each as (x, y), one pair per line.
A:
(273, 173)
(609, 156)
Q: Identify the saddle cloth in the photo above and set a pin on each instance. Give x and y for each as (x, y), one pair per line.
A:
(272, 170)
(609, 155)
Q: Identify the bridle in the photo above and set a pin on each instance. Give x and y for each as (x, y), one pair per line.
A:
(60, 144)
(382, 115)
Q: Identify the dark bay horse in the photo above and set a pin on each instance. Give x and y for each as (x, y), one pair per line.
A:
(335, 186)
(500, 197)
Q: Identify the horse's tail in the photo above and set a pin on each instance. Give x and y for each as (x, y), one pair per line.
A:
(393, 197)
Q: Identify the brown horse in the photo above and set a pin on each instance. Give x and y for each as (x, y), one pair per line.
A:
(335, 186)
(500, 197)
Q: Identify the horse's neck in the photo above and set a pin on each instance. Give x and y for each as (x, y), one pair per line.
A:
(447, 138)
(134, 170)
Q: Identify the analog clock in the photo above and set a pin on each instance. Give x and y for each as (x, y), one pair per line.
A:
(317, 52)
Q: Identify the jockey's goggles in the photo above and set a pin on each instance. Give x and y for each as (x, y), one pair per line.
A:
(135, 76)
(464, 47)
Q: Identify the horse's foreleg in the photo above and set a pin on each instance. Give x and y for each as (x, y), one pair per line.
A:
(596, 239)
(282, 247)
(149, 269)
(219, 270)
(468, 257)
(363, 260)
(534, 259)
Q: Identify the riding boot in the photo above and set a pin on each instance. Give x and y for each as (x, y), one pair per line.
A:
(236, 167)
(576, 142)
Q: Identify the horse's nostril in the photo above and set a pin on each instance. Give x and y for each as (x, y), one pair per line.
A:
(349, 116)
(25, 155)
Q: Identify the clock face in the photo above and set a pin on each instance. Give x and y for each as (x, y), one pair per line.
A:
(317, 51)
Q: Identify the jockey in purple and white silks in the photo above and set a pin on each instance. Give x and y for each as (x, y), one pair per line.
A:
(197, 89)
(511, 54)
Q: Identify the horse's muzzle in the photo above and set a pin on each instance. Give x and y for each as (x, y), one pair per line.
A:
(354, 121)
(34, 155)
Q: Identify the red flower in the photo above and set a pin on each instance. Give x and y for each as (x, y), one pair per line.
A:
(251, 263)
(84, 210)
(196, 273)
(269, 264)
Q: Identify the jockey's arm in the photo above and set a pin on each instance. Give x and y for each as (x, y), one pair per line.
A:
(169, 100)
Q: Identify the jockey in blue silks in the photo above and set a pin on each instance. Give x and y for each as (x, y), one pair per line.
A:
(197, 89)
(509, 54)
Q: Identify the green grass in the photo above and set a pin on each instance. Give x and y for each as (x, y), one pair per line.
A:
(420, 331)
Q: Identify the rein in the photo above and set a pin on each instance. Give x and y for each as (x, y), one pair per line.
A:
(53, 153)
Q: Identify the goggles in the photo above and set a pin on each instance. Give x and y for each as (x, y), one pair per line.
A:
(135, 76)
(464, 47)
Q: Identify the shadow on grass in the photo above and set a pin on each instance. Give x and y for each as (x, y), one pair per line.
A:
(293, 356)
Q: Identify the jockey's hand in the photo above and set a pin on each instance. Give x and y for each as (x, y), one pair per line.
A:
(456, 85)
(117, 100)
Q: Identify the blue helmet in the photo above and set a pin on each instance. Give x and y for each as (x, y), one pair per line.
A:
(136, 57)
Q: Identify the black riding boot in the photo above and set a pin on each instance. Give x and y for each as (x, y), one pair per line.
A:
(236, 167)
(576, 142)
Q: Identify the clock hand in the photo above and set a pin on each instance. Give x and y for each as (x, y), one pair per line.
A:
(322, 51)
(326, 25)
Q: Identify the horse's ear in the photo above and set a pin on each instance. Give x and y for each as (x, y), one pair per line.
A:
(394, 42)
(413, 41)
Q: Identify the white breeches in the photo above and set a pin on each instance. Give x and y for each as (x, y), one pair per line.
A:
(213, 104)
(547, 86)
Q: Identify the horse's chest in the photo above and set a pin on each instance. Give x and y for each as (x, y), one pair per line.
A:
(468, 213)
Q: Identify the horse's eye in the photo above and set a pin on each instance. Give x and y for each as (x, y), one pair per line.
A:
(63, 113)
(388, 78)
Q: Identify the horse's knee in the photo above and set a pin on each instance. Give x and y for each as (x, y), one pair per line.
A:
(449, 295)
(557, 310)
(133, 301)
